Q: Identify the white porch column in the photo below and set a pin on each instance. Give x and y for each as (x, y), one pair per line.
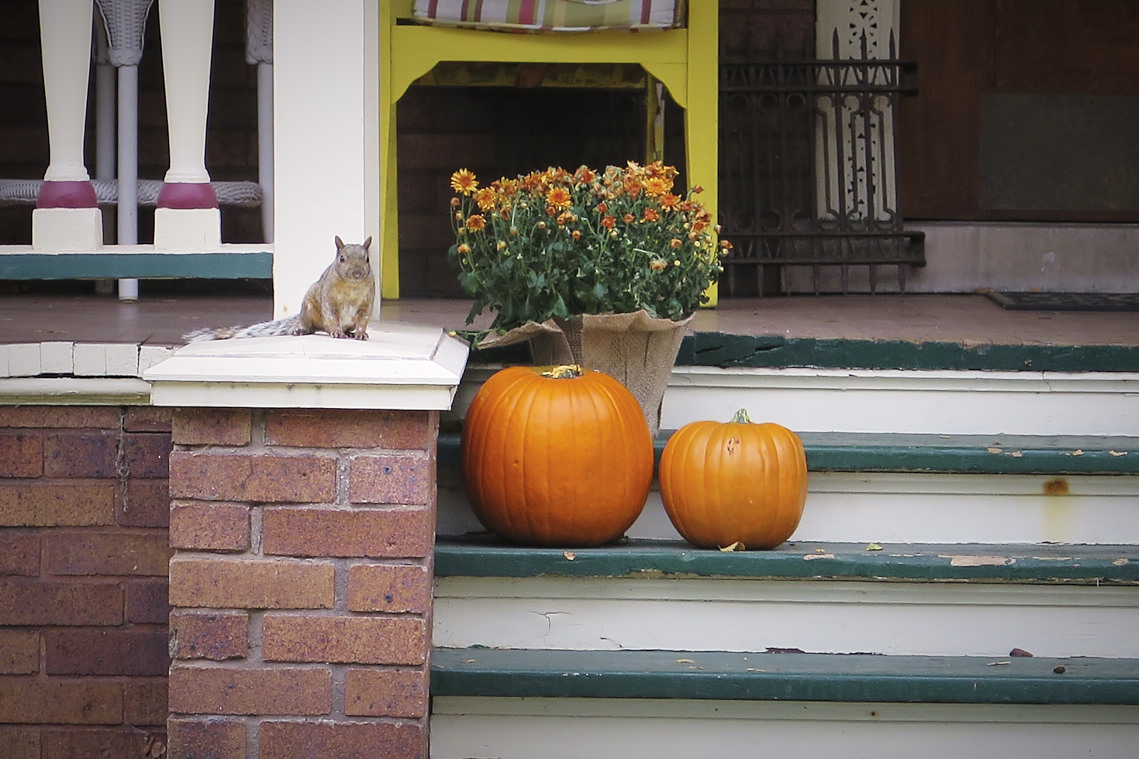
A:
(326, 138)
(187, 216)
(66, 215)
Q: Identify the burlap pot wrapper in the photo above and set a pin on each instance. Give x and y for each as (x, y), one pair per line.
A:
(636, 349)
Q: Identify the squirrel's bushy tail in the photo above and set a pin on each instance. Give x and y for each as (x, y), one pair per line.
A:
(287, 326)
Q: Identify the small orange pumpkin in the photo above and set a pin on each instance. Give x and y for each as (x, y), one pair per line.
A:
(556, 456)
(734, 483)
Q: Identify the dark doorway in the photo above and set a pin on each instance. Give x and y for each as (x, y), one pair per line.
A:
(1028, 110)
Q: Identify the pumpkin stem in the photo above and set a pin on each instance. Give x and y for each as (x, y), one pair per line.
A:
(741, 417)
(566, 371)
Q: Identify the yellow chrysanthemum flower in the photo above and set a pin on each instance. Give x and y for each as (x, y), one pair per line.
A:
(463, 181)
(656, 186)
(486, 198)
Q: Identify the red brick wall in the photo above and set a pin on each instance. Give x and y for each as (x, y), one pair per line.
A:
(301, 583)
(83, 581)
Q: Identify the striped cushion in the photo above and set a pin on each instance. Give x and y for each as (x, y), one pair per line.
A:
(553, 15)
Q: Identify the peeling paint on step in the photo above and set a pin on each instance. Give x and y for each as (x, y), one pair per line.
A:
(978, 561)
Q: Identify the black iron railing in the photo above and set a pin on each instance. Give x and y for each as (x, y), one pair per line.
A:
(807, 169)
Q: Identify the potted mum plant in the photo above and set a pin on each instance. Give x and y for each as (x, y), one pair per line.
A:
(598, 268)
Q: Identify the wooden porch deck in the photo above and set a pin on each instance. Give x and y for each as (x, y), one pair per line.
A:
(970, 319)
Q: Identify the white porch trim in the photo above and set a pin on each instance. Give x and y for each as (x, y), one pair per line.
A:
(326, 139)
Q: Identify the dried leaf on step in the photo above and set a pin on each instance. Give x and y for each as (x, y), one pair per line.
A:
(873, 547)
(570, 555)
(737, 546)
(685, 661)
(995, 450)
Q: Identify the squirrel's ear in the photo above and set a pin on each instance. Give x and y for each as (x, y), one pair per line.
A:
(339, 242)
(368, 242)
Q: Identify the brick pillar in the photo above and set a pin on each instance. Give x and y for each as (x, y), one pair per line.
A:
(301, 582)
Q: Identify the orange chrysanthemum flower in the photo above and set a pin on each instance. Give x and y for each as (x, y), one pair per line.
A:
(559, 197)
(651, 215)
(476, 222)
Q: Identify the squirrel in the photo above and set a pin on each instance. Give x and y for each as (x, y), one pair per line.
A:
(339, 303)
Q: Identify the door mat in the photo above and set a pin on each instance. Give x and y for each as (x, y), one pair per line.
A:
(1066, 301)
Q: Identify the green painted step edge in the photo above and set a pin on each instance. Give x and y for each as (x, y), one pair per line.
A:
(971, 454)
(776, 351)
(735, 351)
(484, 556)
(251, 265)
(945, 454)
(858, 678)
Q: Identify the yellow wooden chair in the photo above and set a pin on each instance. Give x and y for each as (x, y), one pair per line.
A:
(683, 59)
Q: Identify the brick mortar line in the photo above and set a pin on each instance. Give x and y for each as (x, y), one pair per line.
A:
(256, 531)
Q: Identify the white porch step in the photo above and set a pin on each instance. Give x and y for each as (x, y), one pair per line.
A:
(926, 600)
(919, 401)
(655, 649)
(910, 401)
(908, 488)
(675, 728)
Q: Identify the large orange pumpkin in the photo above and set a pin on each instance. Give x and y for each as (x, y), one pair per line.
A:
(734, 483)
(556, 456)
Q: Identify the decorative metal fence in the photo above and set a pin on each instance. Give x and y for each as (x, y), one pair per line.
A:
(807, 169)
